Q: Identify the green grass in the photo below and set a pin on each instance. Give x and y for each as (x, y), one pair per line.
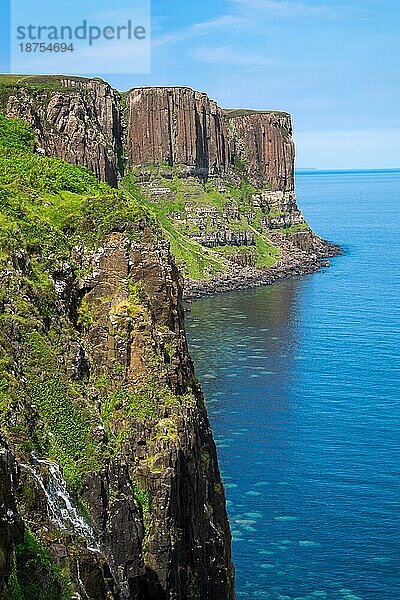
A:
(194, 260)
(16, 134)
(68, 424)
(236, 250)
(231, 113)
(268, 254)
(35, 575)
(142, 497)
(294, 229)
(48, 204)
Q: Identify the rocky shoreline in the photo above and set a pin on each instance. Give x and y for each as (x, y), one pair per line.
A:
(295, 261)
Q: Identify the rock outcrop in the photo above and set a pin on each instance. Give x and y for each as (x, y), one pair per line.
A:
(300, 254)
(76, 119)
(262, 147)
(176, 126)
(187, 536)
(279, 209)
(86, 122)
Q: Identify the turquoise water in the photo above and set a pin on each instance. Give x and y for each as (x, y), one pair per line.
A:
(302, 383)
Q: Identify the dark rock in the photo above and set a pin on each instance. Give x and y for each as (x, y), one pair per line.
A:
(80, 122)
(11, 525)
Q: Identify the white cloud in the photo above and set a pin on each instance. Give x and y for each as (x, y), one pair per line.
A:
(245, 16)
(199, 29)
(229, 55)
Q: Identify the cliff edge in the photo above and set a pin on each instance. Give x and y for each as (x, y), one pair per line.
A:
(221, 182)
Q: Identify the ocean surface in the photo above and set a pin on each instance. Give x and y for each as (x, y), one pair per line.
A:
(302, 382)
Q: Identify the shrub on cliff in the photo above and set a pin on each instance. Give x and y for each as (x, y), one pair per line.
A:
(15, 133)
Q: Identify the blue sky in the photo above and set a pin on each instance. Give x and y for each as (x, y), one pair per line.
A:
(333, 65)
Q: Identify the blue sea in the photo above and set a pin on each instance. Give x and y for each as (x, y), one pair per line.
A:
(302, 382)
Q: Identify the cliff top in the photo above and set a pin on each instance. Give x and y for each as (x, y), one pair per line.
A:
(231, 113)
(44, 81)
(63, 82)
(165, 87)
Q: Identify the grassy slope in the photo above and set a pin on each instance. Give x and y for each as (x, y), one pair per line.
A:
(195, 260)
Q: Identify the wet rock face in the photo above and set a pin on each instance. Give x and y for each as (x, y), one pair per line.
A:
(176, 126)
(118, 521)
(262, 148)
(11, 526)
(79, 122)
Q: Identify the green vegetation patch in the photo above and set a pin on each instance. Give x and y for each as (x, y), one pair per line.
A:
(142, 497)
(294, 229)
(68, 437)
(15, 133)
(174, 210)
(268, 254)
(35, 575)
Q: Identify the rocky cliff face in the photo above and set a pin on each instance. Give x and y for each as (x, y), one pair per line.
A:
(262, 147)
(186, 545)
(85, 122)
(74, 118)
(155, 524)
(176, 126)
(110, 487)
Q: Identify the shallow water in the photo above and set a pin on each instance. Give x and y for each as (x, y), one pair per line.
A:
(302, 386)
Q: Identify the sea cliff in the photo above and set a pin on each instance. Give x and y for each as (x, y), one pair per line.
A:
(221, 182)
(109, 480)
(114, 207)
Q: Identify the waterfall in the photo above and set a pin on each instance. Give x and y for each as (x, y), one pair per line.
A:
(59, 503)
